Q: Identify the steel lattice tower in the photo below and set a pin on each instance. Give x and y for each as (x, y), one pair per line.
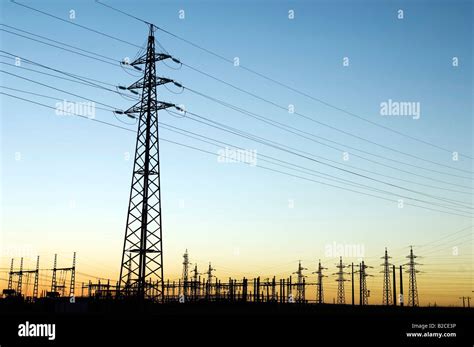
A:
(10, 277)
(73, 276)
(300, 290)
(319, 284)
(364, 292)
(35, 286)
(412, 288)
(209, 280)
(20, 278)
(195, 282)
(53, 279)
(185, 272)
(143, 244)
(341, 295)
(387, 289)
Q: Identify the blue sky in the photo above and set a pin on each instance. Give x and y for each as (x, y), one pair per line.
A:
(70, 189)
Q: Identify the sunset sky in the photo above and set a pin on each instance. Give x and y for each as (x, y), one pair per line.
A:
(65, 181)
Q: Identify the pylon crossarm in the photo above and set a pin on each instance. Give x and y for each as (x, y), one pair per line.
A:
(145, 60)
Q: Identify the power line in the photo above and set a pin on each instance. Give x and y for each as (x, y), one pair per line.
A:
(62, 48)
(235, 108)
(76, 80)
(265, 141)
(280, 149)
(327, 125)
(58, 89)
(76, 24)
(254, 95)
(292, 164)
(259, 166)
(49, 39)
(45, 73)
(287, 127)
(44, 96)
(254, 115)
(80, 79)
(295, 165)
(219, 56)
(332, 166)
(31, 62)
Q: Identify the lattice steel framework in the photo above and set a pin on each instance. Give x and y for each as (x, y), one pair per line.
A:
(141, 272)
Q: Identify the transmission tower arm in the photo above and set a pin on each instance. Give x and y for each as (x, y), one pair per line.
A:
(137, 108)
(157, 57)
(159, 81)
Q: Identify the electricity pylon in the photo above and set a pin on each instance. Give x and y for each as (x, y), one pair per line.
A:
(209, 280)
(341, 295)
(412, 288)
(185, 272)
(363, 290)
(300, 290)
(195, 283)
(387, 289)
(143, 244)
(319, 284)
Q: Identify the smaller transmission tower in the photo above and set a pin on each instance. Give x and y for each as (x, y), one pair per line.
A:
(364, 292)
(35, 286)
(20, 273)
(195, 283)
(73, 276)
(387, 289)
(412, 288)
(300, 285)
(54, 283)
(185, 273)
(341, 295)
(10, 277)
(319, 284)
(53, 279)
(209, 281)
(20, 278)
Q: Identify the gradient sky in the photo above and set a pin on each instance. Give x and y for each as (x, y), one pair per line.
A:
(69, 192)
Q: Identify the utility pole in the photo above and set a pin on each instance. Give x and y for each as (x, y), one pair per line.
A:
(464, 299)
(394, 286)
(319, 284)
(185, 272)
(300, 292)
(352, 282)
(341, 295)
(412, 288)
(387, 293)
(402, 299)
(144, 232)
